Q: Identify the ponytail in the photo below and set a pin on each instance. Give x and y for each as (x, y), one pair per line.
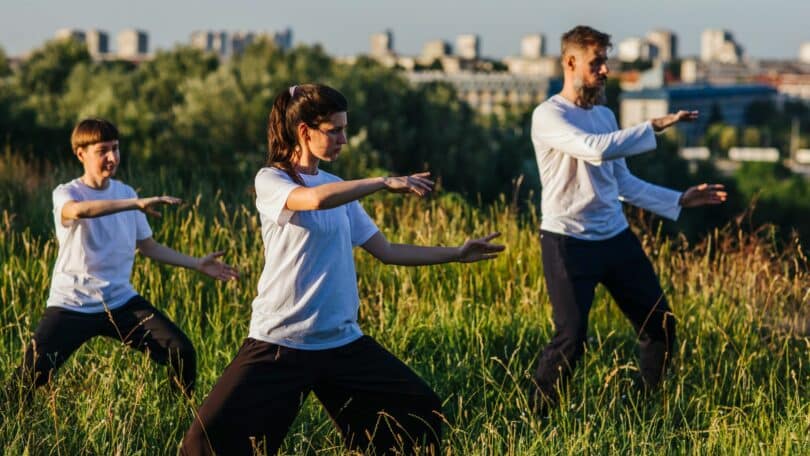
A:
(308, 103)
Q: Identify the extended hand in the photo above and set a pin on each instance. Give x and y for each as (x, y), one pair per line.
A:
(479, 249)
(147, 205)
(415, 183)
(210, 266)
(662, 123)
(703, 194)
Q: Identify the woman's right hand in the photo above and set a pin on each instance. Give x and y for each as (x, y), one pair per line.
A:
(147, 205)
(415, 183)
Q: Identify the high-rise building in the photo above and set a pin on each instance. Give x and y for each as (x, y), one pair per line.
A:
(435, 49)
(382, 44)
(634, 48)
(468, 46)
(98, 43)
(70, 33)
(241, 40)
(533, 46)
(717, 45)
(667, 43)
(132, 43)
(804, 52)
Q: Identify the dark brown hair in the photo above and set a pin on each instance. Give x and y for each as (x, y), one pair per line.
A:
(308, 103)
(91, 131)
(583, 37)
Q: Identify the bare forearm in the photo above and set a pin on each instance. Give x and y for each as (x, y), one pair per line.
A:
(335, 194)
(96, 208)
(415, 255)
(164, 254)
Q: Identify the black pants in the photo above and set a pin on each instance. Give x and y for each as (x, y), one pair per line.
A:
(573, 267)
(137, 324)
(377, 402)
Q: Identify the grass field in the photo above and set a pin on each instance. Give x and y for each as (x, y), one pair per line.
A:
(738, 385)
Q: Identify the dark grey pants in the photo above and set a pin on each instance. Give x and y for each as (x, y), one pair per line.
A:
(572, 268)
(137, 324)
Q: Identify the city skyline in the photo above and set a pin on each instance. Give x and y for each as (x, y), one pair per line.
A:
(765, 30)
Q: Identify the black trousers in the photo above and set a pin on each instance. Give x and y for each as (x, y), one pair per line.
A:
(572, 268)
(137, 324)
(378, 403)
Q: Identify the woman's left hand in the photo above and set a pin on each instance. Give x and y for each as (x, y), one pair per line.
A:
(479, 249)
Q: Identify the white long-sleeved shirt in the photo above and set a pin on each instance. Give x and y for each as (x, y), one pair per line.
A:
(580, 154)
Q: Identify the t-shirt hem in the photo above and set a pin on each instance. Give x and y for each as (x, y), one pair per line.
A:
(585, 236)
(324, 346)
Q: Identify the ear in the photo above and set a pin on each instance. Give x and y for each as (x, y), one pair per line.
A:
(570, 61)
(80, 151)
(303, 132)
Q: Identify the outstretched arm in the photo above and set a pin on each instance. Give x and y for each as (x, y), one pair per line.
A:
(414, 255)
(208, 265)
(552, 129)
(702, 195)
(335, 194)
(73, 210)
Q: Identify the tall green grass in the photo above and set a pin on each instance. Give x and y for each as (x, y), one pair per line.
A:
(738, 385)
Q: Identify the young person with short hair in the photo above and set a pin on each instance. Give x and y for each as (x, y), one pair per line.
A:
(100, 223)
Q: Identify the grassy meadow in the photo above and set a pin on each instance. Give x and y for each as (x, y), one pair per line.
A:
(738, 385)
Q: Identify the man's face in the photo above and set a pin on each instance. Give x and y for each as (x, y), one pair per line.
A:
(589, 74)
(592, 67)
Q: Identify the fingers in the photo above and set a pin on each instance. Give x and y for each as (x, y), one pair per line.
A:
(491, 236)
(216, 254)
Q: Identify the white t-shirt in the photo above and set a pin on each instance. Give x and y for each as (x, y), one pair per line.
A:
(308, 289)
(580, 153)
(94, 262)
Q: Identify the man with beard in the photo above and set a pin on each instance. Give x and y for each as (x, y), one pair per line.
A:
(584, 235)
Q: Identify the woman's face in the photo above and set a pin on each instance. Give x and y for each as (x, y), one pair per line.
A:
(325, 141)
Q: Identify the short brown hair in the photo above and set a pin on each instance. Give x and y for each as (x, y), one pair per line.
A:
(91, 131)
(583, 37)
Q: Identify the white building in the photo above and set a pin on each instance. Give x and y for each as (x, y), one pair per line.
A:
(70, 33)
(717, 45)
(492, 93)
(468, 46)
(666, 42)
(804, 52)
(382, 44)
(98, 43)
(132, 43)
(634, 48)
(533, 46)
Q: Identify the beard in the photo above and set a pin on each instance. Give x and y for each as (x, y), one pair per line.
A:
(589, 96)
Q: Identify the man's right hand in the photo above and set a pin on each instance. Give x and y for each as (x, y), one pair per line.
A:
(662, 123)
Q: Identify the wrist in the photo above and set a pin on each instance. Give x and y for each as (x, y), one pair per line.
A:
(680, 199)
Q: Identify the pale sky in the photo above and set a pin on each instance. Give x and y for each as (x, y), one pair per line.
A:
(769, 29)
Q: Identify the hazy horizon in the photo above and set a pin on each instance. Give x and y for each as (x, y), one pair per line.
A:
(773, 29)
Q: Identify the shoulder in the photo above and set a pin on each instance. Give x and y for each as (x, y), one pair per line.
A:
(70, 189)
(269, 174)
(551, 108)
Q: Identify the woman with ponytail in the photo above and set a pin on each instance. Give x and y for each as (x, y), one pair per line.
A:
(303, 333)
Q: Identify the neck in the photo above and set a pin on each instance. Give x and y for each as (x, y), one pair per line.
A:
(307, 164)
(574, 94)
(97, 183)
